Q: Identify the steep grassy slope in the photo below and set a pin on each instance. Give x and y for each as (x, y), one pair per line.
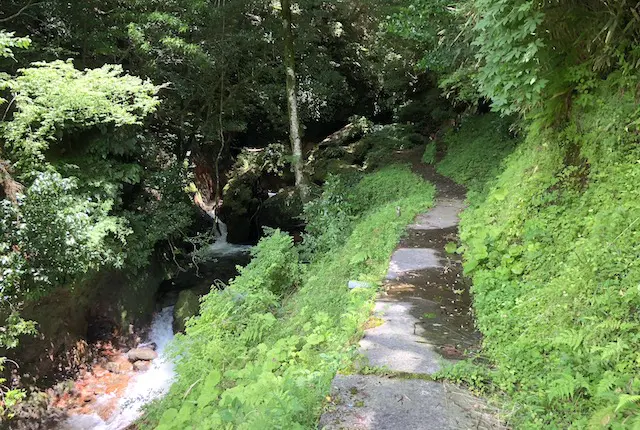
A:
(553, 247)
(475, 151)
(263, 352)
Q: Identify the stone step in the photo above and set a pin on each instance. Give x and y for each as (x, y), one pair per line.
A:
(397, 344)
(367, 402)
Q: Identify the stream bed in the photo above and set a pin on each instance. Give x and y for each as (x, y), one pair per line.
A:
(118, 407)
(111, 395)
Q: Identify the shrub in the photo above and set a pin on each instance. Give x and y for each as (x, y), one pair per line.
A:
(330, 217)
(429, 156)
(52, 235)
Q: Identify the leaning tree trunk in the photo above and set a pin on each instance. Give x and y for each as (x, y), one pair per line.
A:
(292, 101)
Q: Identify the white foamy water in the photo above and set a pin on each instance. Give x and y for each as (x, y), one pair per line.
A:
(222, 248)
(143, 388)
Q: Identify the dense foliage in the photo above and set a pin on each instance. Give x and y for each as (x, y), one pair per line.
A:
(263, 352)
(525, 56)
(552, 248)
(80, 180)
(111, 110)
(475, 151)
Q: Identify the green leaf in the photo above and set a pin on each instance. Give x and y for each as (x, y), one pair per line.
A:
(626, 401)
(451, 248)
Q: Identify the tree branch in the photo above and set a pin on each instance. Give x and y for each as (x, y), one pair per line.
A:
(15, 15)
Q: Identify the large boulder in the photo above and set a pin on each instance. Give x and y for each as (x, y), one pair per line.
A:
(188, 306)
(241, 199)
(283, 210)
(357, 128)
(340, 152)
(256, 172)
(141, 354)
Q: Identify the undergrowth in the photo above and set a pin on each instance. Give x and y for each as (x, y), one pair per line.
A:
(382, 143)
(553, 248)
(475, 151)
(263, 352)
(430, 152)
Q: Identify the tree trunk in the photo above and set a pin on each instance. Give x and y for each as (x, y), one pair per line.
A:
(292, 101)
(9, 188)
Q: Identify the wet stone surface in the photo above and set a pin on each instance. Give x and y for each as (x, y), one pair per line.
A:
(360, 402)
(426, 307)
(412, 260)
(425, 321)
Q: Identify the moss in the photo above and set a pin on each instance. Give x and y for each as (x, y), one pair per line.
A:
(187, 306)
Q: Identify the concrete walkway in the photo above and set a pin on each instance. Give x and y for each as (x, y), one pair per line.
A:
(400, 343)
(426, 321)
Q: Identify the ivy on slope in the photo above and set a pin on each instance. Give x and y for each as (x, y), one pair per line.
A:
(263, 352)
(553, 249)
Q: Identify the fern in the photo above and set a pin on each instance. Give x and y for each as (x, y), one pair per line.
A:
(606, 384)
(562, 388)
(627, 401)
(571, 338)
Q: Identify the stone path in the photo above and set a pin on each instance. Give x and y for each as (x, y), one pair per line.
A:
(426, 321)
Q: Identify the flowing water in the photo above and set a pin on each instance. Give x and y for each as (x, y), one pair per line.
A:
(125, 405)
(142, 389)
(222, 248)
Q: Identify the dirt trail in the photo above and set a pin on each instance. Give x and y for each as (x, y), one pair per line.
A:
(425, 316)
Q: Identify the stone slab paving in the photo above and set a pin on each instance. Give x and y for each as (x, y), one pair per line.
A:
(410, 260)
(364, 402)
(397, 344)
(423, 289)
(444, 215)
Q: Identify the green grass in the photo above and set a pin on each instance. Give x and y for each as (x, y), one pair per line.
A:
(263, 352)
(476, 151)
(430, 152)
(553, 248)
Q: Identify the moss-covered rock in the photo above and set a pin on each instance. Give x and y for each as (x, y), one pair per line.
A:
(355, 130)
(283, 210)
(188, 306)
(333, 166)
(242, 198)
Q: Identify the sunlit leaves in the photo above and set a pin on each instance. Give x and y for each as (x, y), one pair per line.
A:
(53, 99)
(552, 248)
(8, 42)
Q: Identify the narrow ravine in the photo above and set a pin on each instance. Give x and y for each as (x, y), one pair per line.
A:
(423, 321)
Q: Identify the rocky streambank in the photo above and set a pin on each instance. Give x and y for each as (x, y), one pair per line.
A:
(99, 387)
(111, 394)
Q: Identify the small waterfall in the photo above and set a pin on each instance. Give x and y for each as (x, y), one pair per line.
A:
(144, 387)
(222, 248)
